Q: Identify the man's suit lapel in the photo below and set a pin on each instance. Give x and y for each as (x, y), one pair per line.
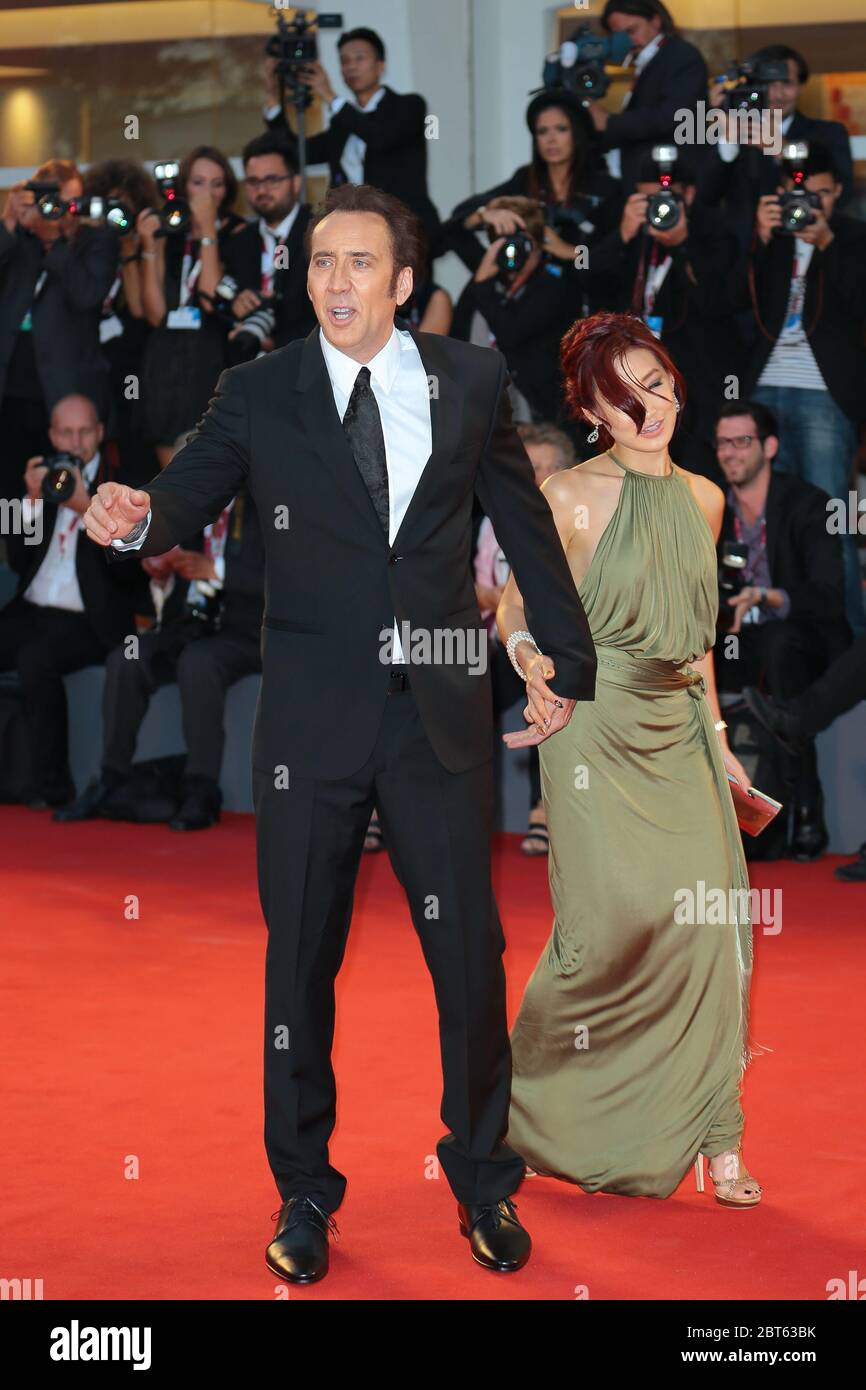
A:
(324, 428)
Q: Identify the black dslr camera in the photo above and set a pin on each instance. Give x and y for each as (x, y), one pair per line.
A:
(797, 203)
(732, 578)
(664, 209)
(750, 89)
(174, 215)
(579, 66)
(60, 477)
(514, 251)
(253, 328)
(295, 47)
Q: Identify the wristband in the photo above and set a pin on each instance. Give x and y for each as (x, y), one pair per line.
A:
(511, 646)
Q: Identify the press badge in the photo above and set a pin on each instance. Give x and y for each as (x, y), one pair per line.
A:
(654, 323)
(110, 327)
(188, 316)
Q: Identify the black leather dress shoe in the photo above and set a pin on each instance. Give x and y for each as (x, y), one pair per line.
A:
(496, 1237)
(777, 719)
(92, 799)
(809, 837)
(299, 1249)
(855, 872)
(200, 807)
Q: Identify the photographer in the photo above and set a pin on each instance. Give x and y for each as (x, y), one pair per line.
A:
(808, 294)
(375, 135)
(740, 173)
(526, 310)
(54, 275)
(180, 271)
(781, 590)
(123, 327)
(668, 275)
(670, 76)
(582, 203)
(266, 258)
(69, 608)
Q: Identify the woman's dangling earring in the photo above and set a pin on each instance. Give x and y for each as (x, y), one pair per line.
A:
(593, 436)
(677, 406)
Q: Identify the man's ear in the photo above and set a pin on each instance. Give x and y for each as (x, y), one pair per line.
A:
(405, 284)
(771, 447)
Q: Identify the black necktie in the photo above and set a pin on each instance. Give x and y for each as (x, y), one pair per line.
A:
(363, 426)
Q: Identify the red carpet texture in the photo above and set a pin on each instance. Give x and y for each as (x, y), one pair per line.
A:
(132, 1158)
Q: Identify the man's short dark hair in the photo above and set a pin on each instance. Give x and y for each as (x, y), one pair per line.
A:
(269, 142)
(780, 53)
(364, 36)
(765, 421)
(405, 229)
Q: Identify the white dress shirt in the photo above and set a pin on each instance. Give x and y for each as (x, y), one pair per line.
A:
(399, 383)
(55, 583)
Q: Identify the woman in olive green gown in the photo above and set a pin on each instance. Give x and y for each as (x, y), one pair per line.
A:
(632, 1035)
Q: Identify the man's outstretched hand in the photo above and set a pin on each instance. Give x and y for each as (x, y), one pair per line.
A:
(113, 512)
(546, 712)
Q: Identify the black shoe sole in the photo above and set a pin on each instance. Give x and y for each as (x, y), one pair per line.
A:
(296, 1278)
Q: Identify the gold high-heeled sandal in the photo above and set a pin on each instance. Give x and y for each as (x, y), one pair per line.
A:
(727, 1199)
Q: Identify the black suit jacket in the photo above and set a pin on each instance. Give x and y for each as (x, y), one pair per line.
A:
(674, 79)
(333, 584)
(242, 258)
(66, 314)
(396, 156)
(111, 596)
(834, 312)
(805, 559)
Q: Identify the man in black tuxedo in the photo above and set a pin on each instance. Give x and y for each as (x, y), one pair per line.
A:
(368, 525)
(266, 257)
(375, 136)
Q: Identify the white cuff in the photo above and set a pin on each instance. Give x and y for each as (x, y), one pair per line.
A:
(270, 112)
(139, 537)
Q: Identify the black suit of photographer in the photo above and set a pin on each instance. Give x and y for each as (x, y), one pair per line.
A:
(697, 329)
(60, 354)
(395, 159)
(674, 79)
(186, 649)
(242, 259)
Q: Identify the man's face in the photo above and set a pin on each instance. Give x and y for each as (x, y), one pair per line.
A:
(45, 229)
(545, 460)
(271, 190)
(826, 187)
(783, 96)
(361, 68)
(640, 31)
(75, 429)
(349, 282)
(741, 454)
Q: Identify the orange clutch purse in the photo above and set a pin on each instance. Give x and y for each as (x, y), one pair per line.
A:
(754, 809)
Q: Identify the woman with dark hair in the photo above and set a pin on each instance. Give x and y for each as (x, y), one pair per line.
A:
(582, 202)
(670, 76)
(633, 1032)
(179, 274)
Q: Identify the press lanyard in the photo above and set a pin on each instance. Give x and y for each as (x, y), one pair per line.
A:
(189, 273)
(738, 531)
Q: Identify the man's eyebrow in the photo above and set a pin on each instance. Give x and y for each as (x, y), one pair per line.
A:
(371, 254)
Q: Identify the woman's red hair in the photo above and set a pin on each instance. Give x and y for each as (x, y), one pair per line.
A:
(589, 355)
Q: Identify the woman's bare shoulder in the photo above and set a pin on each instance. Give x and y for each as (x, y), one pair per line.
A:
(707, 494)
(569, 483)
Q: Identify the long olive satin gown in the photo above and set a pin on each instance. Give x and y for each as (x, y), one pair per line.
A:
(631, 1040)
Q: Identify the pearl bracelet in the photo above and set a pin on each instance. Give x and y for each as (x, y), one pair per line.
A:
(511, 647)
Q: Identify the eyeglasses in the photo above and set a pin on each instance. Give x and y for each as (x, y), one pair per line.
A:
(269, 181)
(735, 441)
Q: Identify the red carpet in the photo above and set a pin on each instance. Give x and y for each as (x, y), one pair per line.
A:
(132, 1044)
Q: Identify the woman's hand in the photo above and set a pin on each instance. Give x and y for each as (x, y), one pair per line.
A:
(487, 267)
(147, 224)
(736, 769)
(545, 712)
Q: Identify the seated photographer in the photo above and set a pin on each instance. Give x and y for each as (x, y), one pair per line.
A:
(581, 201)
(795, 722)
(525, 305)
(806, 283)
(209, 604)
(375, 135)
(549, 450)
(741, 172)
(664, 262)
(125, 188)
(70, 608)
(781, 592)
(55, 271)
(670, 77)
(266, 258)
(181, 267)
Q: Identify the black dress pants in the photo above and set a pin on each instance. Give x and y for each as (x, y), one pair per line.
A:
(437, 827)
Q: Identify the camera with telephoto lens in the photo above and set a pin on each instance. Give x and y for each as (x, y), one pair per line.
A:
(664, 209)
(253, 328)
(750, 89)
(732, 578)
(579, 66)
(174, 215)
(797, 204)
(111, 211)
(60, 478)
(514, 252)
(295, 47)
